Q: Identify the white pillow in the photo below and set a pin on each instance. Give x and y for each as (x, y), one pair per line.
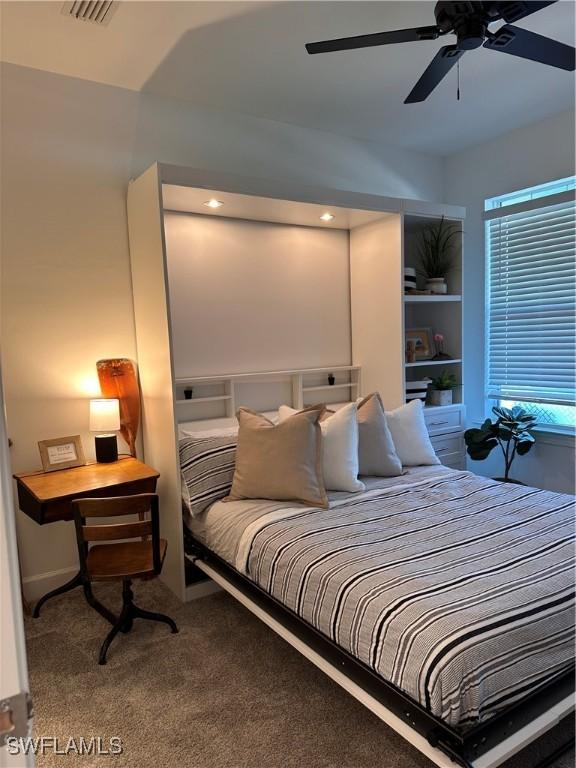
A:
(216, 427)
(410, 435)
(339, 448)
(224, 432)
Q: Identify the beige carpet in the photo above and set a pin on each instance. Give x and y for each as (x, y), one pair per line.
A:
(225, 692)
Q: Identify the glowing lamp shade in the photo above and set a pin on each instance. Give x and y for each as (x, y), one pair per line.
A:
(105, 417)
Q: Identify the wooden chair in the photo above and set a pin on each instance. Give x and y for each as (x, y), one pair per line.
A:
(121, 560)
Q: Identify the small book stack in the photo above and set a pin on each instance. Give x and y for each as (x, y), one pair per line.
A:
(409, 280)
(417, 390)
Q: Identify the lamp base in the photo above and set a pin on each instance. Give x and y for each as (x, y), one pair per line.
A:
(106, 448)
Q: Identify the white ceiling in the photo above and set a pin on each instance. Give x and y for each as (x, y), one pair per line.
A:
(249, 57)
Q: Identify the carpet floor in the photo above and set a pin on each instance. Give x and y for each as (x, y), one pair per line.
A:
(225, 692)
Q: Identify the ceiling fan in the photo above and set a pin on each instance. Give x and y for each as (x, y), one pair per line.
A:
(469, 21)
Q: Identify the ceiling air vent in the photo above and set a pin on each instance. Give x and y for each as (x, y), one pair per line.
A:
(96, 11)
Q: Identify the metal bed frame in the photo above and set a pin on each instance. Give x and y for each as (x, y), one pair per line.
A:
(485, 745)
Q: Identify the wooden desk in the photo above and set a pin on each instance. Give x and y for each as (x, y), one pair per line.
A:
(46, 497)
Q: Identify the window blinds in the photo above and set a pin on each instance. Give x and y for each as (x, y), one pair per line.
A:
(531, 304)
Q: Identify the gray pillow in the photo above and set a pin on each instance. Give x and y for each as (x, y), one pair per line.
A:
(376, 452)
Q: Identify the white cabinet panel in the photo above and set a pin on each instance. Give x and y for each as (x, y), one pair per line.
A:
(441, 420)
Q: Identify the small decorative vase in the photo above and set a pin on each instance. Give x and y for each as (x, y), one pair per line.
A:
(436, 285)
(188, 393)
(331, 379)
(441, 397)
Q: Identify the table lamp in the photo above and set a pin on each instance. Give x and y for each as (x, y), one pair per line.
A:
(105, 417)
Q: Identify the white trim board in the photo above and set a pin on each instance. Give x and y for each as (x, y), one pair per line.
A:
(201, 589)
(490, 759)
(41, 583)
(38, 585)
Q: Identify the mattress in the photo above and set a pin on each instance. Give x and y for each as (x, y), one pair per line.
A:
(455, 588)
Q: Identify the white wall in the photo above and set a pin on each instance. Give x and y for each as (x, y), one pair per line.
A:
(68, 149)
(66, 292)
(177, 133)
(537, 153)
(226, 275)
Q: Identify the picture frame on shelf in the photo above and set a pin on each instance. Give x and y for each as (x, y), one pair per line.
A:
(419, 341)
(61, 453)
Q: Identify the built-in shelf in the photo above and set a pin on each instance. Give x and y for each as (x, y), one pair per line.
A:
(214, 399)
(420, 363)
(264, 375)
(223, 394)
(429, 299)
(347, 385)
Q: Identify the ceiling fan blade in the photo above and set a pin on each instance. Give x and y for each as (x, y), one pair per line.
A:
(437, 70)
(378, 38)
(514, 11)
(529, 45)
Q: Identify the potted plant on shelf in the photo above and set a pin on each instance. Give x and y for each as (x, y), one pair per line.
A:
(437, 254)
(511, 431)
(442, 387)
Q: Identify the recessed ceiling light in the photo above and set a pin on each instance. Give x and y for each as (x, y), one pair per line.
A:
(327, 217)
(213, 203)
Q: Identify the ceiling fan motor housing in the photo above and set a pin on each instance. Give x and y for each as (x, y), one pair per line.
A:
(470, 32)
(466, 19)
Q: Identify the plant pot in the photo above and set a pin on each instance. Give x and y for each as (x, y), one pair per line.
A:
(509, 480)
(436, 285)
(441, 397)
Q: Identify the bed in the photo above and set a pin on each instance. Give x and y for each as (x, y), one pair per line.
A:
(453, 591)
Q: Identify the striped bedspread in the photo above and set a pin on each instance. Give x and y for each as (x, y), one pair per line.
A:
(457, 589)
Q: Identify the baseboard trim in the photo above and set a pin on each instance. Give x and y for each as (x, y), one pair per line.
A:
(201, 589)
(36, 586)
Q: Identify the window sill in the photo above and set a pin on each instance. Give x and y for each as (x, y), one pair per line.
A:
(549, 436)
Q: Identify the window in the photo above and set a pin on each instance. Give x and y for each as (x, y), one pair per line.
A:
(530, 292)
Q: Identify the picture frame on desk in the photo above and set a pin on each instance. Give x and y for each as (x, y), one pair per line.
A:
(61, 453)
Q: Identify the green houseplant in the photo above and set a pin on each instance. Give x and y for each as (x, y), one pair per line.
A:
(511, 431)
(441, 388)
(437, 254)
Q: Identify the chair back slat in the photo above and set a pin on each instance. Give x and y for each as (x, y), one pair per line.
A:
(115, 506)
(117, 531)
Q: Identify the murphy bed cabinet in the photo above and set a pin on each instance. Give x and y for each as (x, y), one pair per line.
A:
(382, 236)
